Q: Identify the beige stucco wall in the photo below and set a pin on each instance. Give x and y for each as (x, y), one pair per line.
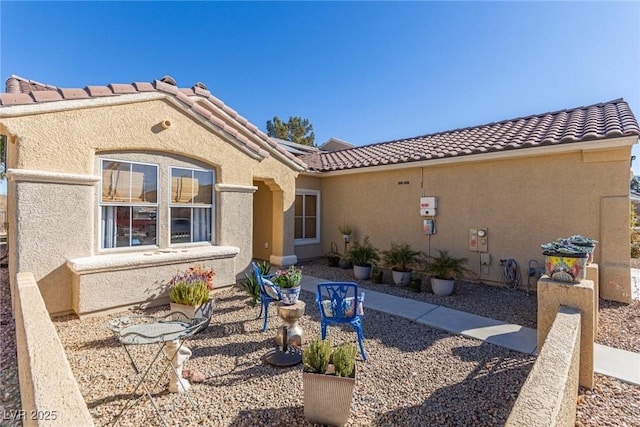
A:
(523, 201)
(551, 296)
(47, 385)
(262, 221)
(548, 396)
(53, 220)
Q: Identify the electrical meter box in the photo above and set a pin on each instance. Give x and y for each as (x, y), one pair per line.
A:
(428, 206)
(478, 239)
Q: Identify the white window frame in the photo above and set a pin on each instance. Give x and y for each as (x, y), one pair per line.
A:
(171, 204)
(308, 192)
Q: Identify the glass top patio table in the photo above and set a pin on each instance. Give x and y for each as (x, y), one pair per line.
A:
(174, 327)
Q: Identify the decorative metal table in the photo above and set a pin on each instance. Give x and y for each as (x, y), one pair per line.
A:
(169, 333)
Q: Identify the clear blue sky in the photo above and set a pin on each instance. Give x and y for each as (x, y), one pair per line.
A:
(363, 72)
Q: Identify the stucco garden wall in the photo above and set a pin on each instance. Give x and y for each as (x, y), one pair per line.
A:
(53, 222)
(522, 201)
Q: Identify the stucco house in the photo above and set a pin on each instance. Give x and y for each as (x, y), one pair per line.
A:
(111, 188)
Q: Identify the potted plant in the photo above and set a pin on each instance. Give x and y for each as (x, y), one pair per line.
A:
(329, 378)
(400, 258)
(346, 231)
(333, 256)
(289, 282)
(362, 255)
(445, 270)
(566, 261)
(376, 273)
(190, 292)
(250, 284)
(588, 243)
(415, 284)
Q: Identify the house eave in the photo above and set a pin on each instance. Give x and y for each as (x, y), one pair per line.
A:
(265, 150)
(587, 146)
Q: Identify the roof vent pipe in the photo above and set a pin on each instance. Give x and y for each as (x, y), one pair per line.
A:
(13, 85)
(169, 80)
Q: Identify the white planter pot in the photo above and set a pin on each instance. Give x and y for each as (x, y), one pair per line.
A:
(442, 287)
(401, 278)
(204, 310)
(327, 398)
(290, 295)
(361, 272)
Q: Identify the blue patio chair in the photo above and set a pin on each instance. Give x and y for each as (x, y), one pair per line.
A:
(343, 305)
(269, 292)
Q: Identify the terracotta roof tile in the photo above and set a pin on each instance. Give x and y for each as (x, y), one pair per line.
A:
(143, 87)
(46, 95)
(187, 91)
(96, 91)
(166, 87)
(15, 98)
(201, 91)
(122, 88)
(186, 99)
(594, 122)
(73, 93)
(17, 84)
(198, 108)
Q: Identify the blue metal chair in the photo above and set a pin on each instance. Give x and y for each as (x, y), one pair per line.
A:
(269, 292)
(342, 306)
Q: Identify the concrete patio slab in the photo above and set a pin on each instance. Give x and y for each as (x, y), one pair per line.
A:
(514, 337)
(621, 364)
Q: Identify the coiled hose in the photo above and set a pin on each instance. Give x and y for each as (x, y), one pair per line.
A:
(510, 273)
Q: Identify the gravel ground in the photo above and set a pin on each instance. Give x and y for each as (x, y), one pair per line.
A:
(415, 375)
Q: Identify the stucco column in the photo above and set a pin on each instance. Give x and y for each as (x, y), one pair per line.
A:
(615, 235)
(234, 220)
(552, 294)
(593, 272)
(283, 217)
(51, 218)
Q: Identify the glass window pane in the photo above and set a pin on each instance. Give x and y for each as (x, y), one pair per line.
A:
(108, 226)
(123, 226)
(298, 229)
(181, 185)
(115, 181)
(180, 227)
(310, 205)
(310, 228)
(298, 205)
(201, 224)
(144, 183)
(203, 190)
(143, 226)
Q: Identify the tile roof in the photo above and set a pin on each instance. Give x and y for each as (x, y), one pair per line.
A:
(21, 91)
(594, 122)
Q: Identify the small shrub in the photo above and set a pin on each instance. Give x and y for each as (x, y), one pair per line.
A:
(316, 357)
(250, 284)
(344, 359)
